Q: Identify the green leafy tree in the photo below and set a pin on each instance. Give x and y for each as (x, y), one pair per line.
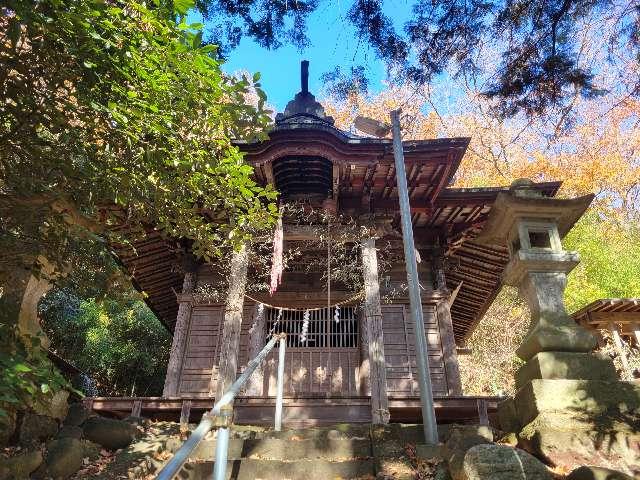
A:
(115, 119)
(119, 343)
(609, 263)
(27, 377)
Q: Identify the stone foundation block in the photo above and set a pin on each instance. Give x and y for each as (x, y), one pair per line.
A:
(429, 452)
(580, 398)
(110, 433)
(499, 462)
(556, 336)
(64, 457)
(55, 407)
(461, 439)
(566, 365)
(21, 465)
(36, 428)
(507, 416)
(568, 440)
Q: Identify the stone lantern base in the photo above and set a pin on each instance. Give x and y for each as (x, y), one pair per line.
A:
(570, 423)
(569, 409)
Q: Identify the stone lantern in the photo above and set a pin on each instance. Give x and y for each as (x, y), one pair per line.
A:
(565, 392)
(532, 227)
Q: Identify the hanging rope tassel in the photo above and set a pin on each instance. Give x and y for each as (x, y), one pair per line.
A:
(277, 262)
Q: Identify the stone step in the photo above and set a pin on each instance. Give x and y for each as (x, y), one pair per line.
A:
(206, 450)
(340, 431)
(250, 469)
(407, 432)
(320, 448)
(286, 450)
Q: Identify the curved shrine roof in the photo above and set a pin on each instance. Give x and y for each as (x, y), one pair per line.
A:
(359, 175)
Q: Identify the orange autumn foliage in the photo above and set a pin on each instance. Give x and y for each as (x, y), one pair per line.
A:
(599, 153)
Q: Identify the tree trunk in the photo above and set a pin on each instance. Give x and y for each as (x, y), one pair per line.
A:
(230, 342)
(20, 296)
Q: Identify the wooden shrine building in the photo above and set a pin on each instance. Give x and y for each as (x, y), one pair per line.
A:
(621, 318)
(361, 367)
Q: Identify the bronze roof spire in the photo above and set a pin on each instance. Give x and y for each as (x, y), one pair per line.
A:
(304, 108)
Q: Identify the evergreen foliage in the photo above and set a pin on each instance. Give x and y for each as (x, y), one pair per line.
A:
(536, 51)
(120, 344)
(27, 377)
(114, 119)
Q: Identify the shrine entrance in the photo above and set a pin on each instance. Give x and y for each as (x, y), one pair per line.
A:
(323, 351)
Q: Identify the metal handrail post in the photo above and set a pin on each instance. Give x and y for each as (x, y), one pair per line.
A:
(422, 356)
(222, 453)
(181, 456)
(208, 419)
(280, 386)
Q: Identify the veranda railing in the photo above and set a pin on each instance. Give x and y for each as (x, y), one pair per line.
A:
(220, 417)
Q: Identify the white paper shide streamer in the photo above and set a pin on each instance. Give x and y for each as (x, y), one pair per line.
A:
(305, 326)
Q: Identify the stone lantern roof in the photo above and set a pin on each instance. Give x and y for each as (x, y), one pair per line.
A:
(524, 200)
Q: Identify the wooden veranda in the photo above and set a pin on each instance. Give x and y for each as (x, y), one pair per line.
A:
(300, 412)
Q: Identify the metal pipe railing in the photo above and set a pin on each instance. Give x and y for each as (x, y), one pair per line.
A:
(216, 419)
(422, 353)
(222, 453)
(280, 387)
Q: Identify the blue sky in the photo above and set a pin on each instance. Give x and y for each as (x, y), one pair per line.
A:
(333, 42)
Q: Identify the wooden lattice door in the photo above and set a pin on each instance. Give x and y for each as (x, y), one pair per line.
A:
(325, 362)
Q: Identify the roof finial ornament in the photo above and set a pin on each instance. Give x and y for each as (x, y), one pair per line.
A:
(303, 109)
(304, 77)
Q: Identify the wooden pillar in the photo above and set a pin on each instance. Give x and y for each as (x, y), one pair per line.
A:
(447, 339)
(635, 328)
(136, 409)
(180, 332)
(445, 326)
(617, 341)
(364, 372)
(483, 414)
(440, 281)
(373, 332)
(257, 341)
(230, 342)
(185, 413)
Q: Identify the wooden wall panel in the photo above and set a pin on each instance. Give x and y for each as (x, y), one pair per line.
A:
(199, 368)
(315, 372)
(399, 348)
(201, 351)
